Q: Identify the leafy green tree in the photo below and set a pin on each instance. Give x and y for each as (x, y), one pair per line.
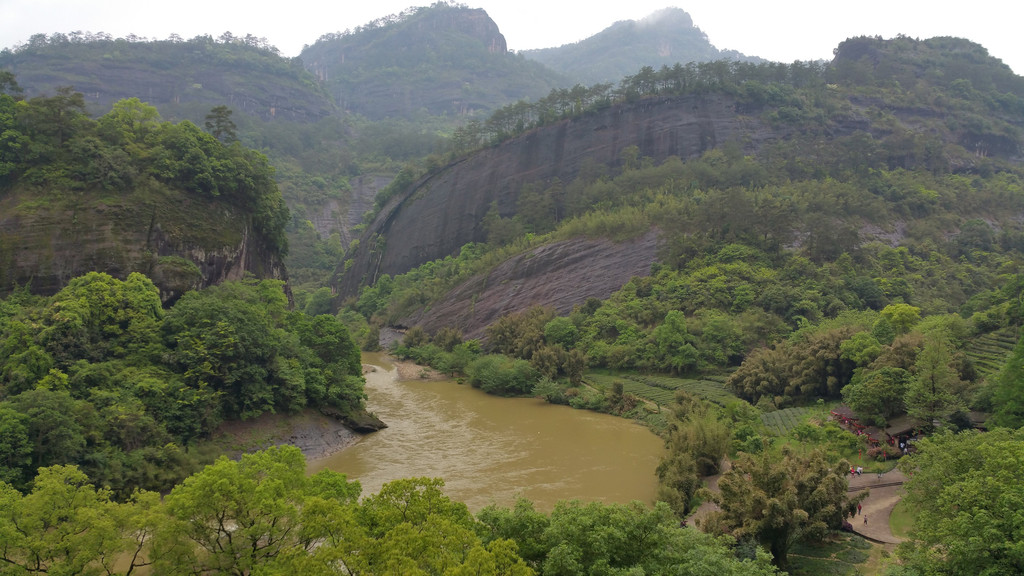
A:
(519, 335)
(65, 526)
(599, 538)
(129, 121)
(862, 348)
(219, 123)
(561, 330)
(932, 395)
(26, 361)
(15, 447)
(338, 360)
(98, 316)
(672, 343)
(497, 374)
(901, 316)
(780, 501)
(235, 516)
(879, 394)
(56, 434)
(548, 360)
(1008, 391)
(13, 141)
(678, 481)
(762, 374)
(227, 338)
(522, 524)
(575, 365)
(966, 491)
(52, 121)
(413, 528)
(721, 338)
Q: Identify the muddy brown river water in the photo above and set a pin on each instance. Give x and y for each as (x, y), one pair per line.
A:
(493, 450)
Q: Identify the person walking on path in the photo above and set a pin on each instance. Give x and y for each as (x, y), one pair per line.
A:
(865, 519)
(858, 508)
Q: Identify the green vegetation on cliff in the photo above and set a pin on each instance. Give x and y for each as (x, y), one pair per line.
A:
(118, 193)
(863, 254)
(445, 60)
(101, 376)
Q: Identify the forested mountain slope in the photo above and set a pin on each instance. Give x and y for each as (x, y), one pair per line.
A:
(244, 73)
(439, 213)
(442, 60)
(905, 145)
(129, 193)
(661, 39)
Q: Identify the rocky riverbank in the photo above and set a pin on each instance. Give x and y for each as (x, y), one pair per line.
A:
(317, 435)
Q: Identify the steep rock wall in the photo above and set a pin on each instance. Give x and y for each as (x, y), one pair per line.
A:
(443, 211)
(559, 275)
(181, 243)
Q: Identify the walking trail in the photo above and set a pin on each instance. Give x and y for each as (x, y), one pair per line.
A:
(885, 493)
(877, 507)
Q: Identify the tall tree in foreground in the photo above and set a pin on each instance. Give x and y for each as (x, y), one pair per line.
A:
(1008, 391)
(235, 516)
(219, 123)
(779, 501)
(931, 396)
(595, 538)
(967, 492)
(65, 526)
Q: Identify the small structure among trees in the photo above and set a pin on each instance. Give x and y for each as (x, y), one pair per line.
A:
(900, 429)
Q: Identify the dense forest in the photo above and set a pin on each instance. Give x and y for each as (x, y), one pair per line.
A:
(101, 376)
(867, 266)
(860, 245)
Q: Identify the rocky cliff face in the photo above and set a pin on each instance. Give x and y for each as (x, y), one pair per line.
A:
(181, 243)
(559, 276)
(443, 211)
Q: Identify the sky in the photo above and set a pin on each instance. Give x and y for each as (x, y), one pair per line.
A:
(780, 30)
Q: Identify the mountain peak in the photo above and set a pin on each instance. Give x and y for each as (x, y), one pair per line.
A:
(670, 16)
(663, 38)
(439, 59)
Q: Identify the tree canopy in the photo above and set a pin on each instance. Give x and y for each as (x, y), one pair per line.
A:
(262, 514)
(100, 375)
(967, 493)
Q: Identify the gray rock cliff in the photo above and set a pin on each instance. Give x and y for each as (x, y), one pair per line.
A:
(443, 211)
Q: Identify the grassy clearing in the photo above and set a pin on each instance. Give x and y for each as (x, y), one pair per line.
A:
(840, 555)
(901, 521)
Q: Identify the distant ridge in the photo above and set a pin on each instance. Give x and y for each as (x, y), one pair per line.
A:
(665, 37)
(442, 60)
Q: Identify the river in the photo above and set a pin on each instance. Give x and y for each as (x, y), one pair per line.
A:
(493, 450)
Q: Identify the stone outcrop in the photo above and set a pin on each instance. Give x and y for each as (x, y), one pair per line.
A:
(559, 275)
(443, 211)
(181, 243)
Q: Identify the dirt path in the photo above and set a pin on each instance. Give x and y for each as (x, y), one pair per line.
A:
(697, 516)
(877, 507)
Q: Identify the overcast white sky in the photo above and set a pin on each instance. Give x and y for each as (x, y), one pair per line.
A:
(783, 30)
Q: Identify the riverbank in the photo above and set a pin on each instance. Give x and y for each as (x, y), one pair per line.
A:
(316, 434)
(410, 371)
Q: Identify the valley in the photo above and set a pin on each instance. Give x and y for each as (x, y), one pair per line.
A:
(650, 289)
